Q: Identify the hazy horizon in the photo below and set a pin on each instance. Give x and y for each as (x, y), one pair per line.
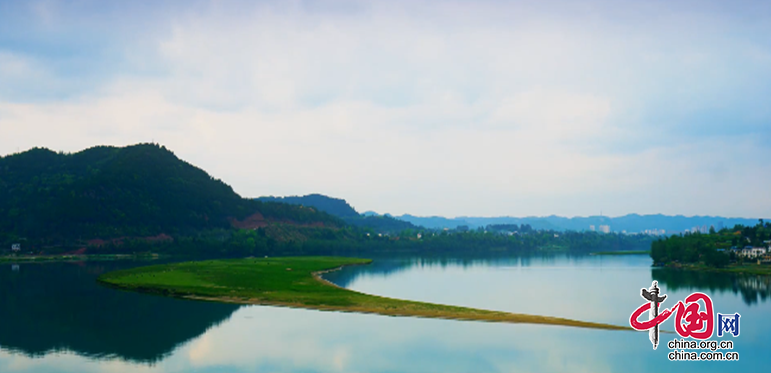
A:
(435, 108)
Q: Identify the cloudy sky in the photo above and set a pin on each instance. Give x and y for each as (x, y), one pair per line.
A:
(425, 107)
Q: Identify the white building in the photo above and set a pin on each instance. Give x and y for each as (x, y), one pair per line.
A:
(16, 247)
(605, 228)
(591, 228)
(753, 252)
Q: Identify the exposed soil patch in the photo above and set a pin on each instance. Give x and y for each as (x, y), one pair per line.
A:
(253, 221)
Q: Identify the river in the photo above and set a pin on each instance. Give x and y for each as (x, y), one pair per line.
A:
(54, 317)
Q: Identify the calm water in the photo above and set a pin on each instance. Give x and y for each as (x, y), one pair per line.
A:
(55, 318)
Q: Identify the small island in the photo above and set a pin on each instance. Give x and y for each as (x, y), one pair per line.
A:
(296, 282)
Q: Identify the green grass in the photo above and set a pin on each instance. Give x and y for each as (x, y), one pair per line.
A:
(295, 282)
(626, 252)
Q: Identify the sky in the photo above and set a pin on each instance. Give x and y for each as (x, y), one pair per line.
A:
(452, 108)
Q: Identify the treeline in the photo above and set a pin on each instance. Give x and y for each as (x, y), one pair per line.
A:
(285, 239)
(713, 249)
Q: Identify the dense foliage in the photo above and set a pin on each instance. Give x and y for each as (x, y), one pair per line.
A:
(103, 192)
(285, 239)
(712, 249)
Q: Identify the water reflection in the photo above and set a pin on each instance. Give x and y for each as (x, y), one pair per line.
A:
(752, 288)
(59, 306)
(275, 339)
(387, 266)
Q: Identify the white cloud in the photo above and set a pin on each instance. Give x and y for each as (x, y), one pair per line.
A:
(455, 109)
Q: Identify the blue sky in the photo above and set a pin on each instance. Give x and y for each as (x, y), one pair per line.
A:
(430, 108)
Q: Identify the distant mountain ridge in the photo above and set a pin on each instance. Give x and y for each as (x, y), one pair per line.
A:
(631, 223)
(340, 208)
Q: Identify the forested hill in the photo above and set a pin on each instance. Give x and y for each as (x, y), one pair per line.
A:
(340, 208)
(139, 190)
(335, 206)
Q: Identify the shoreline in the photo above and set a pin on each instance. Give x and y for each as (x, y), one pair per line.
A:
(745, 269)
(497, 316)
(337, 300)
(507, 317)
(317, 275)
(73, 258)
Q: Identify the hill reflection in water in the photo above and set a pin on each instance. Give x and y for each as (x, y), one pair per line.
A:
(60, 307)
(751, 288)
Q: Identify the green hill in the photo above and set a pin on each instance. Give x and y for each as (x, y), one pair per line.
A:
(136, 191)
(334, 206)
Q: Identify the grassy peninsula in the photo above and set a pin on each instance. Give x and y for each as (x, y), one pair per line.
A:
(296, 282)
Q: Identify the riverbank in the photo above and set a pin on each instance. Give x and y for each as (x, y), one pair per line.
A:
(747, 269)
(296, 282)
(73, 258)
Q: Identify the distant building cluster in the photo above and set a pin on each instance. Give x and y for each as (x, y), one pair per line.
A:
(755, 252)
(655, 232)
(703, 229)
